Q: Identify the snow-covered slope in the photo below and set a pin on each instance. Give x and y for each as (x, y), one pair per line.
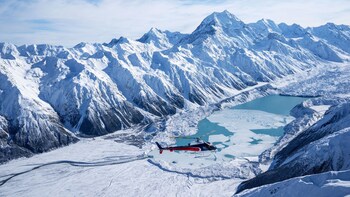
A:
(320, 148)
(106, 169)
(28, 123)
(47, 92)
(322, 185)
(330, 153)
(335, 119)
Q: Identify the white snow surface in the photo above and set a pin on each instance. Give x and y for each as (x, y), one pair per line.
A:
(105, 175)
(334, 183)
(241, 122)
(320, 108)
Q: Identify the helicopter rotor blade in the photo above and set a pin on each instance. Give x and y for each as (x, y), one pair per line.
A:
(194, 138)
(210, 132)
(184, 137)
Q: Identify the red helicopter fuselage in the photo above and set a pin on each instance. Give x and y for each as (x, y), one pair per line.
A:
(196, 147)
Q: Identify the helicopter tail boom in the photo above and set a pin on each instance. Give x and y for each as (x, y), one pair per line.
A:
(160, 148)
(178, 148)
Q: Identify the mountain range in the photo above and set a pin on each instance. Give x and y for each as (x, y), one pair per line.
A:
(49, 95)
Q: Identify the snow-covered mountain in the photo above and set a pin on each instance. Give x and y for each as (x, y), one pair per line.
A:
(315, 142)
(320, 148)
(49, 94)
(334, 183)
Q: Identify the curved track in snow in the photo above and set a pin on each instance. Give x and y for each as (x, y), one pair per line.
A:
(104, 162)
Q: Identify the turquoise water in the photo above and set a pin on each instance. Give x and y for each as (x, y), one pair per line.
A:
(273, 132)
(255, 141)
(275, 104)
(205, 129)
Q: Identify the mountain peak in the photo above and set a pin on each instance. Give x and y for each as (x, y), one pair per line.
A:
(161, 39)
(217, 21)
(265, 25)
(7, 50)
(115, 41)
(334, 26)
(223, 22)
(154, 30)
(266, 22)
(153, 33)
(224, 19)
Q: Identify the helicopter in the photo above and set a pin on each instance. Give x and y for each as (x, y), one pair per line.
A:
(200, 145)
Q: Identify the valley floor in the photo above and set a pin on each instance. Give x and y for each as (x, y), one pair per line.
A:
(104, 167)
(111, 169)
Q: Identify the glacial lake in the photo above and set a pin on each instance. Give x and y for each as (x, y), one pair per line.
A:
(248, 129)
(240, 133)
